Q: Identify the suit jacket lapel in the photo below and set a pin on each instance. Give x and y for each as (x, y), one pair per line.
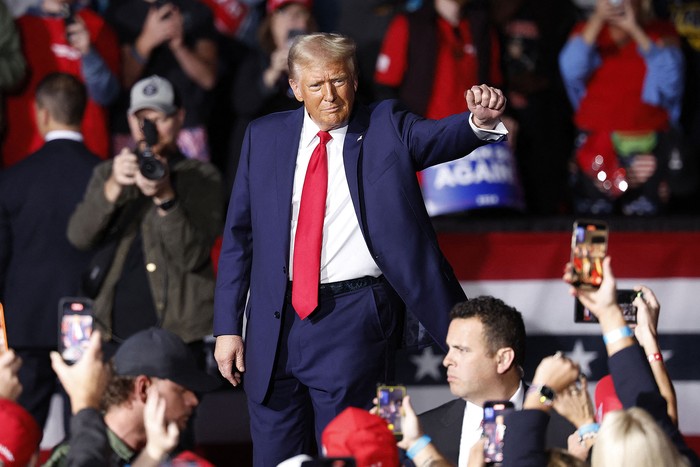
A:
(352, 157)
(286, 147)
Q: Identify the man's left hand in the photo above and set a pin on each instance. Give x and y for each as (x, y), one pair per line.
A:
(486, 104)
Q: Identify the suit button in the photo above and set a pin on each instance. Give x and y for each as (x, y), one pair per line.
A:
(284, 270)
(277, 314)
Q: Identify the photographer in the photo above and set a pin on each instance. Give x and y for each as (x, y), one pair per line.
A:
(152, 235)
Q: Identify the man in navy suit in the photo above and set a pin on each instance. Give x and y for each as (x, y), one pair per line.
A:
(378, 257)
(37, 264)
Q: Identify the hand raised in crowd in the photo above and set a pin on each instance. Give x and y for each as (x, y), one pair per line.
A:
(556, 372)
(158, 28)
(161, 437)
(412, 432)
(10, 387)
(486, 104)
(602, 302)
(78, 35)
(575, 404)
(648, 309)
(176, 28)
(86, 380)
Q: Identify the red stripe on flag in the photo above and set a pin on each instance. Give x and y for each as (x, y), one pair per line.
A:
(542, 255)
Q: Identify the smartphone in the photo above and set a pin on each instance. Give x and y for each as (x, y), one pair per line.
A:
(3, 331)
(495, 429)
(75, 324)
(389, 402)
(589, 245)
(625, 298)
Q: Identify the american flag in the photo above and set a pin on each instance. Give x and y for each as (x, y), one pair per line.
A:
(524, 269)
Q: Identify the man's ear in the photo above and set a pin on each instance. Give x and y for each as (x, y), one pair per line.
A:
(505, 359)
(42, 116)
(141, 385)
(296, 89)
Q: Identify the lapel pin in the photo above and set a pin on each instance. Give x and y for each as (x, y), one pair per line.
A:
(360, 138)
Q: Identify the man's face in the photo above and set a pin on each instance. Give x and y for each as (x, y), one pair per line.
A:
(168, 127)
(471, 371)
(327, 90)
(179, 402)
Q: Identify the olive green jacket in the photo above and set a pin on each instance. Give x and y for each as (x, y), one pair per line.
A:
(176, 247)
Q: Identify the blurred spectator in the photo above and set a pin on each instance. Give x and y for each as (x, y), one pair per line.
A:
(429, 58)
(623, 72)
(12, 64)
(261, 84)
(361, 435)
(532, 33)
(154, 376)
(158, 231)
(684, 166)
(174, 39)
(19, 436)
(61, 36)
(38, 194)
(19, 7)
(366, 21)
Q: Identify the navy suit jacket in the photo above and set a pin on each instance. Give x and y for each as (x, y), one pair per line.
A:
(384, 148)
(37, 264)
(444, 425)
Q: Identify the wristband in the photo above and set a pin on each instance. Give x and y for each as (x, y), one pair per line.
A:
(617, 334)
(587, 431)
(655, 357)
(418, 446)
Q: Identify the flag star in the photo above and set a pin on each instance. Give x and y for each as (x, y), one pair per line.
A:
(428, 364)
(582, 357)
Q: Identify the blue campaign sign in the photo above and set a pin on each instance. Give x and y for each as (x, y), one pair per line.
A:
(485, 178)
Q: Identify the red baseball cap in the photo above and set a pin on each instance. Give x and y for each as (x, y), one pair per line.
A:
(274, 5)
(605, 398)
(19, 434)
(359, 434)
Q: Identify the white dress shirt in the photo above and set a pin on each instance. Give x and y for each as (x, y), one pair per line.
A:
(471, 424)
(63, 134)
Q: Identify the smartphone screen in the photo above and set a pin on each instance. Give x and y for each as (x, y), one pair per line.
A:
(75, 327)
(389, 402)
(495, 429)
(589, 245)
(625, 299)
(3, 330)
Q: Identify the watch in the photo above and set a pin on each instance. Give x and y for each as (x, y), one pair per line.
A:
(546, 394)
(167, 205)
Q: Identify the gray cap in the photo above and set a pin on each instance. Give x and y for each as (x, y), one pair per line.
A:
(161, 354)
(154, 93)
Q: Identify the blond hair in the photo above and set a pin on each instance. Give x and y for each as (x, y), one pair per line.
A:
(632, 438)
(324, 47)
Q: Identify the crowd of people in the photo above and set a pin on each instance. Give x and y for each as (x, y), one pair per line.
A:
(126, 123)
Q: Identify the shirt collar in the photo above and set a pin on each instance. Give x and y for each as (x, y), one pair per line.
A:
(310, 129)
(63, 134)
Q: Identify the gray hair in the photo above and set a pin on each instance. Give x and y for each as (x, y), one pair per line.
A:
(324, 47)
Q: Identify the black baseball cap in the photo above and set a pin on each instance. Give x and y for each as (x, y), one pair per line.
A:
(161, 354)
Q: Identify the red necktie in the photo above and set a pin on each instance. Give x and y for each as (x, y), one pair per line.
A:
(307, 241)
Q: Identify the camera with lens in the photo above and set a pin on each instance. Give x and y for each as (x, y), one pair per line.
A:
(149, 166)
